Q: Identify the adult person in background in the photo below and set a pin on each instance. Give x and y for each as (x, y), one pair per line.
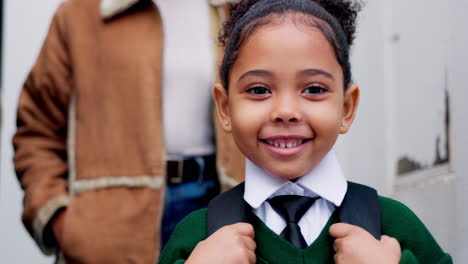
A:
(115, 113)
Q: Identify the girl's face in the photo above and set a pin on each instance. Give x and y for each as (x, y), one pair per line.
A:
(286, 104)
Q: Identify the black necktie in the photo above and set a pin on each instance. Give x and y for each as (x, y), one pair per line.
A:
(291, 208)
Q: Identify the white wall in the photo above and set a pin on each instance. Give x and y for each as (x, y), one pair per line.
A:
(459, 82)
(398, 61)
(25, 26)
(362, 149)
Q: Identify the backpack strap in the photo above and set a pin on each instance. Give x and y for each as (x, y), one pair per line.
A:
(228, 208)
(361, 207)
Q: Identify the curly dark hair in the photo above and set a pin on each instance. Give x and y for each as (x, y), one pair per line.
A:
(339, 28)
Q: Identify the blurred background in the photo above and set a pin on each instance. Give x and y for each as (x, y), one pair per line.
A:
(409, 139)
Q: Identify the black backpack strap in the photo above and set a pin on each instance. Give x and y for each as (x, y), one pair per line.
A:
(228, 208)
(361, 207)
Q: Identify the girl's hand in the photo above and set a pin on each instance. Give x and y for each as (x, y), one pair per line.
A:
(231, 244)
(355, 245)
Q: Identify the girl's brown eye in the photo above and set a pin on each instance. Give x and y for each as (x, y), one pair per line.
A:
(314, 90)
(258, 90)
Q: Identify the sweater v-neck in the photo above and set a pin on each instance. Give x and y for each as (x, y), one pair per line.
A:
(272, 248)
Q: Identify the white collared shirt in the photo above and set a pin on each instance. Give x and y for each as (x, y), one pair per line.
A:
(325, 180)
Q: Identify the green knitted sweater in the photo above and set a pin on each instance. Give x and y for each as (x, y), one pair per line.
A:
(398, 221)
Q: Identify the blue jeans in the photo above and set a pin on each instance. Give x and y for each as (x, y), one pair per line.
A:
(182, 199)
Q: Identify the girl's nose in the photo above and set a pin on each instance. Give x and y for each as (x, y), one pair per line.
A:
(286, 110)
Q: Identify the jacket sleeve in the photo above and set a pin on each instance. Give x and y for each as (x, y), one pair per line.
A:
(40, 156)
(407, 257)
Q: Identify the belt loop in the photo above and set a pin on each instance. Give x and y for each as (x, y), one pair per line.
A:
(180, 172)
(201, 168)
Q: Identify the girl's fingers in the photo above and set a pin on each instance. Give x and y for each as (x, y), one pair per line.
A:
(337, 244)
(391, 243)
(244, 229)
(250, 243)
(252, 258)
(340, 230)
(338, 258)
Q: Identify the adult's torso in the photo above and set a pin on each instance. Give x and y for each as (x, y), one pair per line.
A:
(187, 77)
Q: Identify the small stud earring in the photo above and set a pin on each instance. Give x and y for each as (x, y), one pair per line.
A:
(343, 124)
(226, 123)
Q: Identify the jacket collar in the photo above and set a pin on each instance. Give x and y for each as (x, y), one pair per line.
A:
(110, 8)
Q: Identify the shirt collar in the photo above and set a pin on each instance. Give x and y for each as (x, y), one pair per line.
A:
(326, 180)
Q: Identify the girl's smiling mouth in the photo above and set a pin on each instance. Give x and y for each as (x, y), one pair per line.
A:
(285, 146)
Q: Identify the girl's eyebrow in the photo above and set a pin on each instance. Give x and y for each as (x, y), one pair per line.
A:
(256, 73)
(306, 72)
(314, 72)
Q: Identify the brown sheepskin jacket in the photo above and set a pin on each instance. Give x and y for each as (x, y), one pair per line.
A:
(89, 136)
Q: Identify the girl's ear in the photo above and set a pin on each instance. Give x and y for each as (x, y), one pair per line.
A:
(350, 105)
(222, 107)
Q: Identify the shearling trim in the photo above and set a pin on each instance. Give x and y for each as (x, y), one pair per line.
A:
(223, 2)
(71, 143)
(224, 179)
(43, 217)
(110, 8)
(154, 182)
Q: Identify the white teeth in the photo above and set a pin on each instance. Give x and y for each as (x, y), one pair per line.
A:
(281, 143)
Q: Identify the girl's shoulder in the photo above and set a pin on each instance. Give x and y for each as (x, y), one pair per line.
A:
(387, 203)
(400, 222)
(187, 234)
(194, 222)
(394, 212)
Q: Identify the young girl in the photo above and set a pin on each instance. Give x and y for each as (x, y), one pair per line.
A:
(286, 95)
